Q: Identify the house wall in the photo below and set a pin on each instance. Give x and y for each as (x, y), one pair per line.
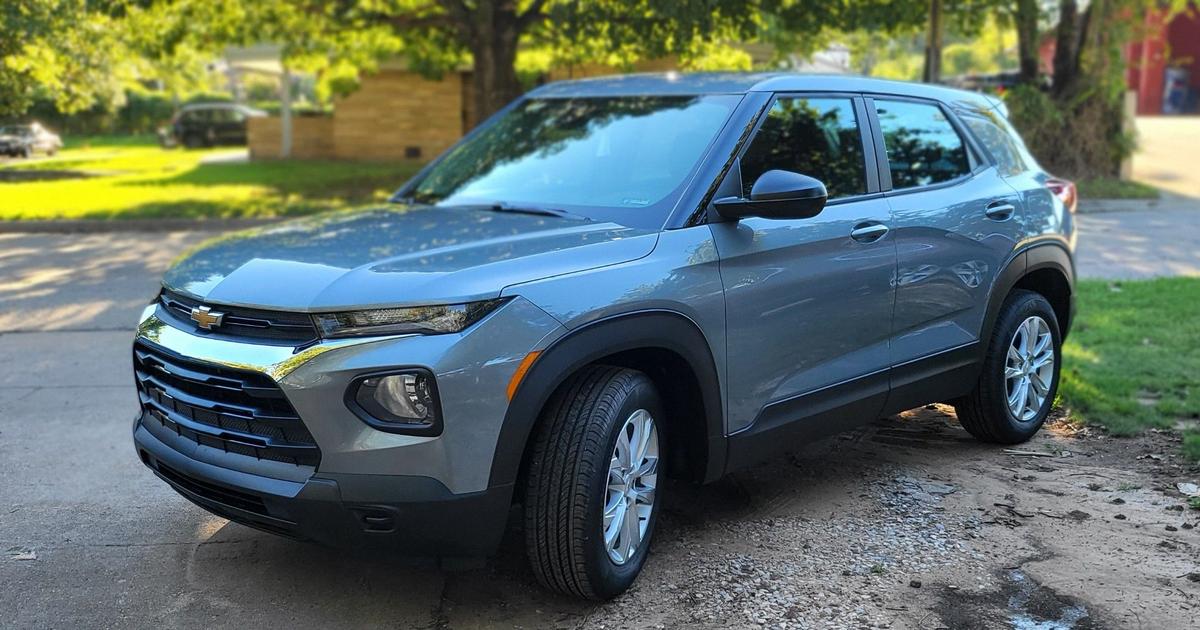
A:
(312, 137)
(395, 113)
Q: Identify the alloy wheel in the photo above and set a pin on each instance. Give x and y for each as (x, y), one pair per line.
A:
(632, 478)
(1029, 368)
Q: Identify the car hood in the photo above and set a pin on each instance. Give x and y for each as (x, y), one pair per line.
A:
(397, 256)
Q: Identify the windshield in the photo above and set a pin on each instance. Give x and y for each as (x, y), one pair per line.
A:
(623, 159)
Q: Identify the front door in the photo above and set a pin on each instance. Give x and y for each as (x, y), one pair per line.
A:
(808, 301)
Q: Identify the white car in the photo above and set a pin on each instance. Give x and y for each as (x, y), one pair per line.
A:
(25, 140)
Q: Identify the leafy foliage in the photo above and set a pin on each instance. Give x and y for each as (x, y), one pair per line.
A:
(65, 49)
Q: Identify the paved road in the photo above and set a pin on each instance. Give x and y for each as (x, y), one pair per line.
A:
(114, 546)
(1159, 241)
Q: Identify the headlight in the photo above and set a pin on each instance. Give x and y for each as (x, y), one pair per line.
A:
(403, 402)
(428, 320)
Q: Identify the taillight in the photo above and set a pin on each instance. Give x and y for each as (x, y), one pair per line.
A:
(1065, 190)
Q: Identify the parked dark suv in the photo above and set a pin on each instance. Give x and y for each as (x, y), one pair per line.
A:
(208, 125)
(609, 281)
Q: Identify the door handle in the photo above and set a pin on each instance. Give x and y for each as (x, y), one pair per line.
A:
(868, 232)
(1000, 210)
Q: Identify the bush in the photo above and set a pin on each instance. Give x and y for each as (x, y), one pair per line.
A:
(1080, 137)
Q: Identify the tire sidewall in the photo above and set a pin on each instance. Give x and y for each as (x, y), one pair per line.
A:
(1028, 306)
(606, 577)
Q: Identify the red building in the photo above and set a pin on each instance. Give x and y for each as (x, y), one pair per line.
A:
(1170, 53)
(1164, 68)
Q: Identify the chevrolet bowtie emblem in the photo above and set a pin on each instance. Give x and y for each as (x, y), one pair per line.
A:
(206, 318)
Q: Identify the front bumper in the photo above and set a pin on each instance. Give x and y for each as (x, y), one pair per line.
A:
(412, 515)
(424, 495)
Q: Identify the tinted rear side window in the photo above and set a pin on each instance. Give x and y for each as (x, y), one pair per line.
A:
(923, 148)
(817, 137)
(996, 139)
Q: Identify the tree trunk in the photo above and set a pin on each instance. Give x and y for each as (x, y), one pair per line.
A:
(495, 32)
(1066, 46)
(933, 44)
(1027, 39)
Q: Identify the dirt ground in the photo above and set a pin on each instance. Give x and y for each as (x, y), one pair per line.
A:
(907, 523)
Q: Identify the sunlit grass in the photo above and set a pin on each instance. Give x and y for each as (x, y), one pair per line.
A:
(1132, 360)
(1113, 188)
(119, 181)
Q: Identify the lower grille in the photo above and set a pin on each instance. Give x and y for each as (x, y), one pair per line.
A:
(225, 496)
(236, 411)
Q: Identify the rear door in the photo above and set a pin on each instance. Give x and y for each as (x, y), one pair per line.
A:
(808, 301)
(956, 221)
(1014, 163)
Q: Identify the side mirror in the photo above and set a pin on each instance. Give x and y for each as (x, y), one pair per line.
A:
(777, 195)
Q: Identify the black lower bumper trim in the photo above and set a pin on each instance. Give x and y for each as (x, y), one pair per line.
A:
(412, 515)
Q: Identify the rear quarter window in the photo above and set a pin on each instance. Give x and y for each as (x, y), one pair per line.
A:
(999, 140)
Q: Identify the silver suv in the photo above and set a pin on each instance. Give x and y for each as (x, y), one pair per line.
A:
(611, 281)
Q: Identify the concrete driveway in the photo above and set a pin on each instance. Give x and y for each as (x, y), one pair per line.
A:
(1166, 156)
(89, 538)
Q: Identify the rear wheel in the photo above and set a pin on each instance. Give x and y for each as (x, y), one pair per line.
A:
(592, 490)
(1016, 390)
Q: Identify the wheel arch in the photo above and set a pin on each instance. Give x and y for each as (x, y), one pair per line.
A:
(1047, 269)
(657, 342)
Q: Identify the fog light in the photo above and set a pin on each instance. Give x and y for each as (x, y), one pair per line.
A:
(405, 402)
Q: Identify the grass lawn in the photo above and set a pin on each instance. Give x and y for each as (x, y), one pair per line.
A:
(1132, 360)
(1112, 188)
(123, 178)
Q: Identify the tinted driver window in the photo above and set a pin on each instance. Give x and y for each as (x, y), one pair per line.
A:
(923, 148)
(817, 137)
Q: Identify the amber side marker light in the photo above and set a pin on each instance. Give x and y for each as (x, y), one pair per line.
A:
(519, 375)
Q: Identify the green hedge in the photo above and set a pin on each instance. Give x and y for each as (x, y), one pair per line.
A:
(143, 113)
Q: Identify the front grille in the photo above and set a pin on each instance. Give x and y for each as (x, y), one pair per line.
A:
(236, 411)
(294, 328)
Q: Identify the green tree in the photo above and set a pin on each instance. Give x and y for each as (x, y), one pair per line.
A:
(1076, 128)
(439, 35)
(63, 49)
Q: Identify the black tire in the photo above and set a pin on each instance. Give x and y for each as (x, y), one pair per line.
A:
(984, 412)
(193, 141)
(568, 479)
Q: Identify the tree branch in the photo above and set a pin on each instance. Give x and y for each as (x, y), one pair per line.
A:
(531, 14)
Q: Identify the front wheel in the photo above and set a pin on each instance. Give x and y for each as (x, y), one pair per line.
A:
(592, 489)
(1016, 390)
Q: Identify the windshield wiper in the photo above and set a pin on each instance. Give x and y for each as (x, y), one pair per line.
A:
(504, 206)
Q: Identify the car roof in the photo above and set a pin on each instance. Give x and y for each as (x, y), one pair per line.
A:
(680, 83)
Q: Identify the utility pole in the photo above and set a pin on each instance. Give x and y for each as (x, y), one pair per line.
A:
(285, 113)
(933, 44)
